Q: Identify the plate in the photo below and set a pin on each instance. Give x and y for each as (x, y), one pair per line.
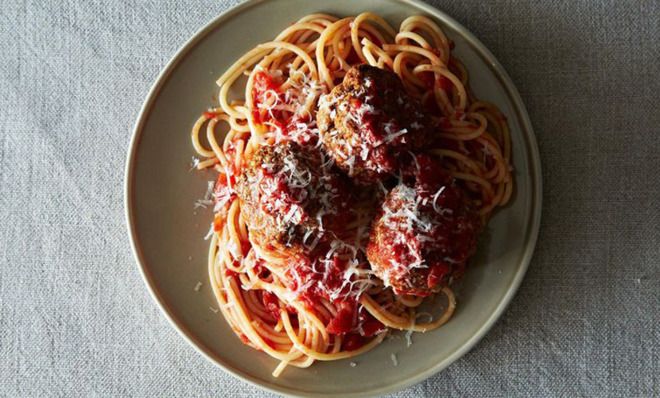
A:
(167, 233)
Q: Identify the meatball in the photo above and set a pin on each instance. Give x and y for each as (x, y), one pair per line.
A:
(369, 124)
(290, 197)
(424, 233)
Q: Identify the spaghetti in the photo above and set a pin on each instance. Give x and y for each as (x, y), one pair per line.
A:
(329, 305)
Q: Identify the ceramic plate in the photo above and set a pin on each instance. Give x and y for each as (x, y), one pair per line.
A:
(167, 232)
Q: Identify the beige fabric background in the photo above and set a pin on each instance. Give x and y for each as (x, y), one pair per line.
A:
(76, 319)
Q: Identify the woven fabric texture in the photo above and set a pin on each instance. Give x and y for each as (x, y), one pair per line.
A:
(76, 319)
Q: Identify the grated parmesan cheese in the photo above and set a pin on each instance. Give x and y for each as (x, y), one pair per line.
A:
(207, 196)
(435, 199)
(409, 341)
(194, 163)
(210, 233)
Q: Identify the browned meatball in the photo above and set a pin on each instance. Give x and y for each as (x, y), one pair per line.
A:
(424, 234)
(291, 197)
(369, 124)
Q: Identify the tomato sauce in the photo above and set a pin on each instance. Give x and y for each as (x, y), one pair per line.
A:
(325, 280)
(230, 274)
(269, 342)
(271, 303)
(444, 247)
(368, 327)
(444, 83)
(266, 89)
(282, 198)
(244, 338)
(352, 342)
(344, 319)
(262, 84)
(209, 115)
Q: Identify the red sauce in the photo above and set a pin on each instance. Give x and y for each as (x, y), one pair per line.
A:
(375, 40)
(222, 192)
(444, 83)
(260, 269)
(282, 198)
(456, 235)
(230, 153)
(353, 58)
(373, 133)
(271, 303)
(445, 123)
(303, 136)
(437, 274)
(345, 319)
(244, 338)
(325, 280)
(427, 79)
(210, 115)
(447, 244)
(446, 143)
(262, 83)
(370, 325)
(220, 182)
(352, 342)
(431, 106)
(268, 342)
(230, 274)
(223, 187)
(218, 223)
(320, 278)
(293, 316)
(264, 87)
(441, 81)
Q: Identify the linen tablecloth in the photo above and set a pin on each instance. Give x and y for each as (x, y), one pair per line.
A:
(76, 318)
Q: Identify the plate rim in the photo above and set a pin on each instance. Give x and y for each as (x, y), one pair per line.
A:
(530, 240)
